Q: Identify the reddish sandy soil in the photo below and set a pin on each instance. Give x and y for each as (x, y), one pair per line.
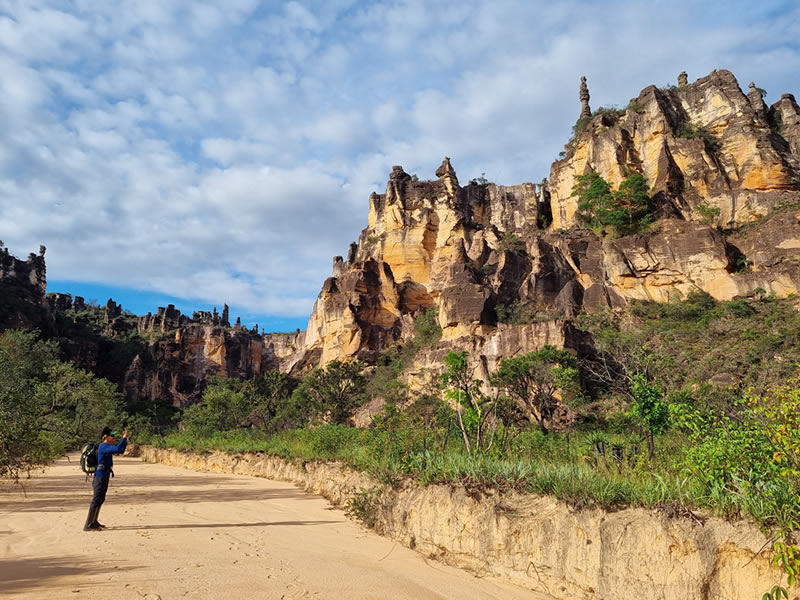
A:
(174, 533)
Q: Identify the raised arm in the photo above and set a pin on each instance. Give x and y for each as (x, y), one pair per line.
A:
(120, 448)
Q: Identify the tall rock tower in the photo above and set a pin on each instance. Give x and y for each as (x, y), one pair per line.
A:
(584, 95)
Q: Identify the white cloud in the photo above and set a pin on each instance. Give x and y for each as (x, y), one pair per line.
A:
(224, 151)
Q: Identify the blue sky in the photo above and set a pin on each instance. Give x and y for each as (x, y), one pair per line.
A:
(208, 152)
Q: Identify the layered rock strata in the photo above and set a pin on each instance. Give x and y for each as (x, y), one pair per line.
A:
(178, 365)
(23, 285)
(508, 267)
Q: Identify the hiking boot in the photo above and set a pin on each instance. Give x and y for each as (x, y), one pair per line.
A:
(91, 520)
(95, 521)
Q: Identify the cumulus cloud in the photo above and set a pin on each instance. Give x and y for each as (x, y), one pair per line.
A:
(223, 151)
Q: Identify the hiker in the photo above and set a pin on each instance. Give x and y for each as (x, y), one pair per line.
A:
(105, 463)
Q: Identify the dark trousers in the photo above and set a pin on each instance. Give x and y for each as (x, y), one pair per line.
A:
(100, 487)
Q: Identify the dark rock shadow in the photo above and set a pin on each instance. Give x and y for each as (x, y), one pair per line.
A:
(29, 574)
(219, 525)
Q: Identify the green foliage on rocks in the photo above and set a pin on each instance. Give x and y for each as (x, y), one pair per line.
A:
(689, 131)
(708, 214)
(511, 242)
(624, 211)
(533, 380)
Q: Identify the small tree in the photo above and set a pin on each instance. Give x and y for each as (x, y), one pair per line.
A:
(473, 407)
(267, 395)
(627, 210)
(333, 392)
(534, 379)
(650, 409)
(223, 407)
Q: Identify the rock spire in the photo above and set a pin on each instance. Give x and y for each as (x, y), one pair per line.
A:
(584, 96)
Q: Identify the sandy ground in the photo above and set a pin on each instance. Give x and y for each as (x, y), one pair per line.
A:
(174, 533)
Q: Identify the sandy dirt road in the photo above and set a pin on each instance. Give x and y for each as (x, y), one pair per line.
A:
(174, 533)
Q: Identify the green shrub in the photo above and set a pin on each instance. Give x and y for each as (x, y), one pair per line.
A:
(223, 407)
(708, 214)
(626, 211)
(330, 394)
(427, 330)
(511, 242)
(516, 313)
(364, 506)
(688, 130)
(635, 106)
(612, 112)
(579, 126)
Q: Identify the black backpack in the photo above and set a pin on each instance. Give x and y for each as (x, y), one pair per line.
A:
(89, 458)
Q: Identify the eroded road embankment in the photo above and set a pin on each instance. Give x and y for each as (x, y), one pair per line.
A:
(174, 533)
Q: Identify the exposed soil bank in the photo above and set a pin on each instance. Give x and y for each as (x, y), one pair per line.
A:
(538, 542)
(180, 534)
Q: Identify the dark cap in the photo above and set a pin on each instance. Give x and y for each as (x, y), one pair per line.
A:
(107, 431)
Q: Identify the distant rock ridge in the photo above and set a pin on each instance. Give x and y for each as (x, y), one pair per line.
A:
(23, 285)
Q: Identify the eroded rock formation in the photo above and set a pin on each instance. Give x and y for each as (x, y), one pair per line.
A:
(23, 285)
(703, 143)
(178, 366)
(715, 159)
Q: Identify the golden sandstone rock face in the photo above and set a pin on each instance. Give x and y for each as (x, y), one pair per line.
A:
(471, 250)
(476, 251)
(742, 166)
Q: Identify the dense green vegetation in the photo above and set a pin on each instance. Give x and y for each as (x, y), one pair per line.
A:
(46, 405)
(689, 131)
(623, 212)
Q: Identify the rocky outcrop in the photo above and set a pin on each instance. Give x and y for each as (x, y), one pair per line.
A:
(536, 542)
(715, 159)
(701, 143)
(428, 243)
(23, 285)
(179, 365)
(507, 268)
(785, 118)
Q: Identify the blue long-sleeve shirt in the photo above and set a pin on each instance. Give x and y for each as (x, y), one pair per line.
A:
(105, 460)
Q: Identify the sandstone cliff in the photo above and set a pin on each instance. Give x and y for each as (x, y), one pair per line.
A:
(178, 365)
(724, 173)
